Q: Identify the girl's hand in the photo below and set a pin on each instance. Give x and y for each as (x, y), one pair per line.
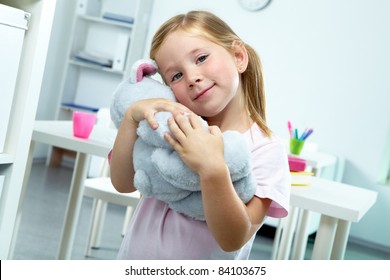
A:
(147, 108)
(121, 165)
(200, 149)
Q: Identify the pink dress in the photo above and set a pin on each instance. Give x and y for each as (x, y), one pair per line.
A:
(158, 232)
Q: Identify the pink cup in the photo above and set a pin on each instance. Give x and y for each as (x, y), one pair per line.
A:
(83, 124)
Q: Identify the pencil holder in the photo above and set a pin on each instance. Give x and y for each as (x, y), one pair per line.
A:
(296, 146)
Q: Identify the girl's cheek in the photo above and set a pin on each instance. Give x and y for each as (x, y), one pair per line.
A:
(182, 101)
(180, 95)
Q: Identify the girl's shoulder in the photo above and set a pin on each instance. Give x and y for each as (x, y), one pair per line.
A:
(257, 140)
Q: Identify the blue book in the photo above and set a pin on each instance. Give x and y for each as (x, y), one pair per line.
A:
(80, 107)
(117, 17)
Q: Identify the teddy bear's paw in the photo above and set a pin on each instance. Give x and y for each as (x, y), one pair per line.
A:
(245, 188)
(237, 154)
(190, 206)
(169, 196)
(154, 186)
(174, 171)
(142, 183)
(152, 137)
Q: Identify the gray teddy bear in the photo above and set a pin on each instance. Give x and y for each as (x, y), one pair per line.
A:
(159, 171)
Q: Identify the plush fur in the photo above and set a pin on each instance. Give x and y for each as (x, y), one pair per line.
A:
(159, 171)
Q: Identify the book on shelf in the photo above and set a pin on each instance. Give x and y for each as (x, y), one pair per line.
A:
(301, 178)
(73, 106)
(117, 17)
(93, 58)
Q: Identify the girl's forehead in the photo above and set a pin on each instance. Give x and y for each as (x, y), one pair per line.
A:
(184, 42)
(183, 36)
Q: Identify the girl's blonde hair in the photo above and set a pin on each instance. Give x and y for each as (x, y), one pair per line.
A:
(211, 27)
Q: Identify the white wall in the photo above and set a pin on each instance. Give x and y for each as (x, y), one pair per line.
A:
(56, 59)
(326, 66)
(55, 63)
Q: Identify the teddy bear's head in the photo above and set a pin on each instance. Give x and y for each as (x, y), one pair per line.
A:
(141, 85)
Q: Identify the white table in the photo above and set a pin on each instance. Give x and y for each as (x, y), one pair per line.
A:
(339, 204)
(60, 134)
(316, 162)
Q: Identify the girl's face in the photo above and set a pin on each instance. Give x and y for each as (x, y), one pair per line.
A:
(203, 76)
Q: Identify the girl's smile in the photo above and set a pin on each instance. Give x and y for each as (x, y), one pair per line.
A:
(204, 93)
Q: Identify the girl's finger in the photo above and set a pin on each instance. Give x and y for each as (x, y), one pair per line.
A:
(172, 107)
(195, 120)
(176, 131)
(171, 141)
(183, 122)
(149, 117)
(215, 130)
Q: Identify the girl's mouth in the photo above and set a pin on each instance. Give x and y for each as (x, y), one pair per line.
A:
(204, 92)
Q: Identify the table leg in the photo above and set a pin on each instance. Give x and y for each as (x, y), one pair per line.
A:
(278, 234)
(301, 235)
(21, 200)
(341, 239)
(287, 234)
(324, 239)
(73, 206)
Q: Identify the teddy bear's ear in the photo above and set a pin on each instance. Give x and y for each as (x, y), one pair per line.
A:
(141, 69)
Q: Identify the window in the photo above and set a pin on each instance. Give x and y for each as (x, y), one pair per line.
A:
(384, 176)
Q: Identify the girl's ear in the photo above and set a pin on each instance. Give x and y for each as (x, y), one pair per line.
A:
(240, 55)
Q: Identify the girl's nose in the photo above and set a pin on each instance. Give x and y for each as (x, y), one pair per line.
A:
(194, 79)
(192, 84)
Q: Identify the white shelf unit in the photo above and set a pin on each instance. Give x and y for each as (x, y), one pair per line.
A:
(107, 37)
(27, 66)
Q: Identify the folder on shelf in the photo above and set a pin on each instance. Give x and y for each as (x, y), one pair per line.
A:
(94, 59)
(119, 60)
(85, 7)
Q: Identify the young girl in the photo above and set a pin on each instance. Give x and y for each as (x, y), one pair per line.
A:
(216, 76)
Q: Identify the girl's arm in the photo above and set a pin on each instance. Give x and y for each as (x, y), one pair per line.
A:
(121, 163)
(231, 222)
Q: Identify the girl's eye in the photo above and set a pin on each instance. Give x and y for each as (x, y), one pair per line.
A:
(202, 58)
(176, 77)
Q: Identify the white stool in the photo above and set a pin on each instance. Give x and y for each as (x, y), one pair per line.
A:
(103, 192)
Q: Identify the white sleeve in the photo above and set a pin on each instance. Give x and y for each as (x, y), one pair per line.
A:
(271, 171)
